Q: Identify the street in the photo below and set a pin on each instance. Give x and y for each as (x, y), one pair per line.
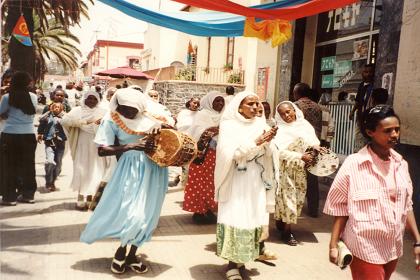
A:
(41, 241)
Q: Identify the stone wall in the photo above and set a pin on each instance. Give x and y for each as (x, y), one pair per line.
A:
(174, 94)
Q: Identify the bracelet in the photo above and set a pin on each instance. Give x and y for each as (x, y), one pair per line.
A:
(417, 244)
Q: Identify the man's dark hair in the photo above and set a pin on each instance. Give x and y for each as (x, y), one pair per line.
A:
(342, 95)
(369, 65)
(230, 90)
(379, 96)
(303, 90)
(7, 75)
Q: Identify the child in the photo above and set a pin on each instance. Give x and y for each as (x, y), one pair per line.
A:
(51, 131)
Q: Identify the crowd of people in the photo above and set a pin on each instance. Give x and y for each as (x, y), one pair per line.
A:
(249, 165)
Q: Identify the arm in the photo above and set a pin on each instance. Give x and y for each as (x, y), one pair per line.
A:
(70, 121)
(331, 129)
(251, 148)
(4, 105)
(146, 144)
(412, 226)
(337, 229)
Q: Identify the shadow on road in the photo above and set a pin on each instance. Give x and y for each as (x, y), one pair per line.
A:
(102, 265)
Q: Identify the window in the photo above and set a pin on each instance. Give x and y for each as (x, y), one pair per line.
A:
(229, 52)
(134, 62)
(346, 40)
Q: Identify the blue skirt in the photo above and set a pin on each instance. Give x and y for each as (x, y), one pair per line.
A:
(130, 206)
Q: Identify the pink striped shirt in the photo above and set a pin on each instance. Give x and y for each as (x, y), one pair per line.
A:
(375, 227)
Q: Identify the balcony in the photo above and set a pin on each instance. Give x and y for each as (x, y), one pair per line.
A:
(210, 75)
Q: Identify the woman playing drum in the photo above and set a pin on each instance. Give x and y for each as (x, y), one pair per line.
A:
(131, 203)
(199, 191)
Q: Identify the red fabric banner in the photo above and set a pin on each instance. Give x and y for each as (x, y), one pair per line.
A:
(289, 13)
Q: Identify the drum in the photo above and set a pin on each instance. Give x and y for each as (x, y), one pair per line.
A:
(326, 163)
(174, 148)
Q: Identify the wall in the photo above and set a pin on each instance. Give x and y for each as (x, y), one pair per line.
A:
(111, 57)
(407, 97)
(174, 94)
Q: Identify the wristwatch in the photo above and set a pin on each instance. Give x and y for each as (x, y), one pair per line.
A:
(416, 244)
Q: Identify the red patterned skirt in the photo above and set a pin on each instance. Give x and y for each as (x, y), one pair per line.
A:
(199, 191)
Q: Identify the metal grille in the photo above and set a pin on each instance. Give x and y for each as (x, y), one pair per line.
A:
(343, 142)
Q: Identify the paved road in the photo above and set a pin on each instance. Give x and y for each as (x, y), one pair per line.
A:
(41, 241)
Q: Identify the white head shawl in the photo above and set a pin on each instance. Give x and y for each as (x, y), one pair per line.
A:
(235, 131)
(135, 99)
(206, 117)
(90, 114)
(287, 133)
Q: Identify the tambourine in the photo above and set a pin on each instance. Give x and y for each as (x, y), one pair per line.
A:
(326, 163)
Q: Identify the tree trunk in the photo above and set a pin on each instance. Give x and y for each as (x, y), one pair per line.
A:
(22, 58)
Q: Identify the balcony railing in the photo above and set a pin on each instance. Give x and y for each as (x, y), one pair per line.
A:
(210, 75)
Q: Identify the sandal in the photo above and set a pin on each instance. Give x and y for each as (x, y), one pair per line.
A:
(118, 267)
(233, 274)
(267, 255)
(138, 267)
(289, 239)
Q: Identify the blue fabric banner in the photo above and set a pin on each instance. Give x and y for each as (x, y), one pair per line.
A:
(208, 24)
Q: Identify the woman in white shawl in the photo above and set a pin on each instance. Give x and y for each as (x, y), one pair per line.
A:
(88, 168)
(295, 135)
(199, 191)
(245, 171)
(185, 117)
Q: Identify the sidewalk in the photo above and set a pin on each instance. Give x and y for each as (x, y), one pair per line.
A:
(41, 241)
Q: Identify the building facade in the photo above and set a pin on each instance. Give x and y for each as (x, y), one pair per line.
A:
(108, 54)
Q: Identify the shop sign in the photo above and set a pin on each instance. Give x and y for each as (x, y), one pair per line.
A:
(327, 63)
(343, 17)
(341, 68)
(327, 81)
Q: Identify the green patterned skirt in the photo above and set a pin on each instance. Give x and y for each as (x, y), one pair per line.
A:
(238, 245)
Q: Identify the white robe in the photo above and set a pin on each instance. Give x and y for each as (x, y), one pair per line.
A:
(88, 167)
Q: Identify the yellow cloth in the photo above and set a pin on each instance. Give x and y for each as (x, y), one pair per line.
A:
(278, 30)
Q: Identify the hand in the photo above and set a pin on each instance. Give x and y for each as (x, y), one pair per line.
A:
(167, 126)
(351, 116)
(307, 158)
(39, 138)
(319, 149)
(417, 257)
(266, 136)
(150, 140)
(213, 130)
(333, 255)
(98, 121)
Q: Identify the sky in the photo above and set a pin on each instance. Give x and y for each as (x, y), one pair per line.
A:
(107, 23)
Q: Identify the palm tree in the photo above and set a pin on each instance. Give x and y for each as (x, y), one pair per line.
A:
(54, 42)
(65, 12)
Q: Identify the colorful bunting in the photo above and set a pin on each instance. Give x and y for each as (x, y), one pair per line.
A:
(285, 9)
(279, 31)
(230, 20)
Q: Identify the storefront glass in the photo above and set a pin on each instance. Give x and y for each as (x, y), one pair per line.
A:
(346, 40)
